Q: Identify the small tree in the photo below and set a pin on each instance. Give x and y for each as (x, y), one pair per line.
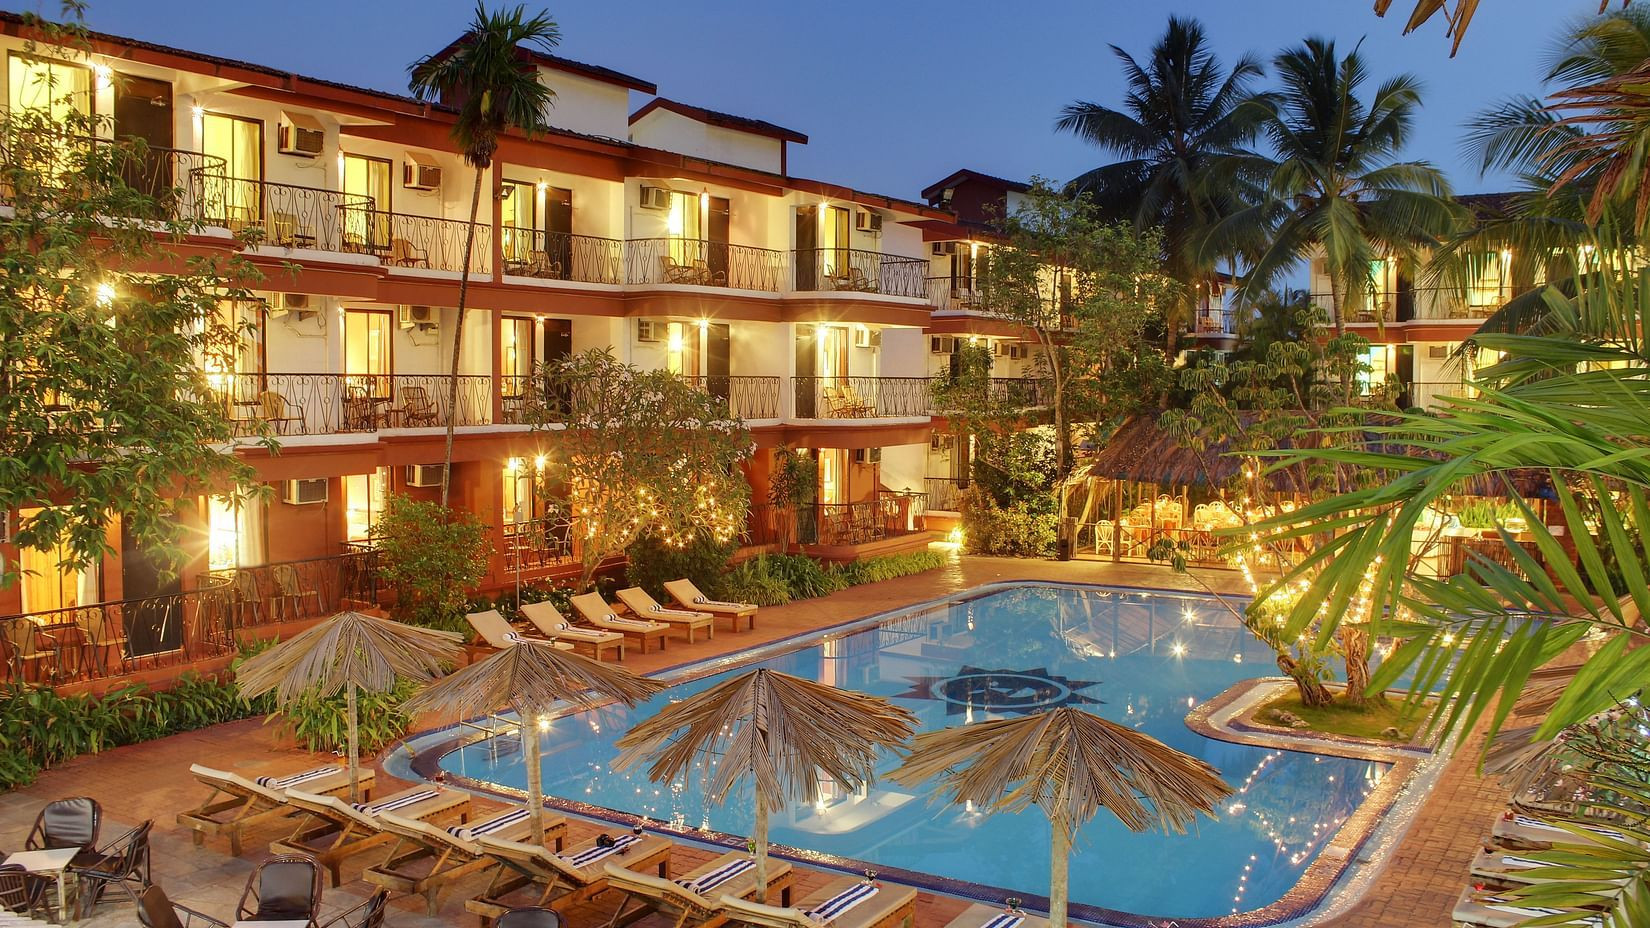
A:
(641, 453)
(433, 555)
(1089, 292)
(105, 406)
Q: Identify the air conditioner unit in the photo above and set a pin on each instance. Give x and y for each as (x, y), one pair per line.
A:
(417, 317)
(867, 455)
(655, 198)
(650, 330)
(942, 344)
(868, 221)
(420, 175)
(424, 475)
(867, 337)
(944, 248)
(285, 303)
(306, 492)
(301, 135)
(1438, 352)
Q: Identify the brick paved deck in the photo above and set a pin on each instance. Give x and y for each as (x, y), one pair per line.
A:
(151, 781)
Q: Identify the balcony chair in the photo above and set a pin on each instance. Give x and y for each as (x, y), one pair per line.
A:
(858, 281)
(248, 597)
(283, 888)
(105, 639)
(355, 244)
(19, 895)
(290, 593)
(404, 253)
(675, 273)
(704, 276)
(124, 864)
(279, 413)
(360, 410)
(22, 649)
(283, 230)
(537, 264)
(416, 408)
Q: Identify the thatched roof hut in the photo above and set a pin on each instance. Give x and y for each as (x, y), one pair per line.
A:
(1142, 452)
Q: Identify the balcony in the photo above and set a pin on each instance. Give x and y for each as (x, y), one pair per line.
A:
(537, 544)
(1422, 304)
(948, 294)
(699, 263)
(528, 399)
(861, 397)
(543, 255)
(407, 241)
(103, 640)
(858, 271)
(890, 515)
(336, 404)
(944, 493)
(287, 215)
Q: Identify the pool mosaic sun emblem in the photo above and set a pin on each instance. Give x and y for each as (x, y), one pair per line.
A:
(1021, 691)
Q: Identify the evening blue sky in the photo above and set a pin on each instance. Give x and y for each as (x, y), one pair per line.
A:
(893, 95)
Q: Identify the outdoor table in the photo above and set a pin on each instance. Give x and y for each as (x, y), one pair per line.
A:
(52, 861)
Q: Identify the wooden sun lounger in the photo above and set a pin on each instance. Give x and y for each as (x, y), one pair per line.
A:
(646, 607)
(426, 858)
(561, 883)
(687, 596)
(496, 632)
(1487, 910)
(1523, 831)
(332, 830)
(554, 626)
(691, 908)
(979, 915)
(893, 906)
(594, 611)
(237, 804)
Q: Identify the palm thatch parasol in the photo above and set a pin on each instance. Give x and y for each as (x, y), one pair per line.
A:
(1070, 764)
(350, 652)
(782, 732)
(531, 678)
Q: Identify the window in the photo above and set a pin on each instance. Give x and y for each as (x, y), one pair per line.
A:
(1490, 280)
(234, 533)
(516, 355)
(367, 351)
(1380, 359)
(364, 499)
(1383, 288)
(46, 586)
(240, 143)
(682, 349)
(962, 270)
(517, 500)
(367, 185)
(57, 88)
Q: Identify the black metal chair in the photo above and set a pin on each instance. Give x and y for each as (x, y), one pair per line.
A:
(124, 863)
(157, 911)
(68, 823)
(530, 916)
(369, 914)
(283, 888)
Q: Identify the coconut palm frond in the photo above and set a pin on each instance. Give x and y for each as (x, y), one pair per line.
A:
(1070, 758)
(783, 732)
(532, 679)
(349, 649)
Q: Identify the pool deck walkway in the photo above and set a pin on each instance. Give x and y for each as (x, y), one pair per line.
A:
(151, 781)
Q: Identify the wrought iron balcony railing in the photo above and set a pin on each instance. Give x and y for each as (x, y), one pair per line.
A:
(861, 397)
(331, 404)
(562, 256)
(857, 270)
(890, 515)
(288, 215)
(951, 293)
(403, 240)
(943, 492)
(703, 263)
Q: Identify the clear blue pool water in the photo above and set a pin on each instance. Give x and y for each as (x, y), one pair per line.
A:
(1135, 657)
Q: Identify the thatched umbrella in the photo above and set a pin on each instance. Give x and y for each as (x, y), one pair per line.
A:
(532, 679)
(1070, 764)
(782, 732)
(349, 652)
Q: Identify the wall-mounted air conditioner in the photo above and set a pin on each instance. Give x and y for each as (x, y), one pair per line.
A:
(650, 330)
(420, 173)
(866, 220)
(655, 197)
(944, 248)
(867, 337)
(424, 475)
(296, 304)
(301, 134)
(942, 344)
(867, 455)
(1438, 352)
(306, 492)
(417, 317)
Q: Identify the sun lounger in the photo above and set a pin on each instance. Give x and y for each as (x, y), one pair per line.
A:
(646, 607)
(1488, 910)
(570, 876)
(849, 902)
(237, 804)
(981, 915)
(595, 611)
(694, 899)
(550, 622)
(332, 830)
(496, 632)
(1523, 831)
(687, 596)
(426, 858)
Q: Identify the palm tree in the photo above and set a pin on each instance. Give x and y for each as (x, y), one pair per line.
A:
(1336, 184)
(496, 88)
(1458, 18)
(1181, 135)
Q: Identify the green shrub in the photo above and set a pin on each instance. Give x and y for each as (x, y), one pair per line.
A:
(805, 577)
(653, 562)
(751, 582)
(888, 567)
(321, 724)
(1023, 528)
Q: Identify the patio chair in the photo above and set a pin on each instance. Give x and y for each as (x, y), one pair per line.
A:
(675, 273)
(332, 830)
(694, 899)
(68, 823)
(248, 597)
(530, 916)
(494, 630)
(1490, 907)
(283, 229)
(553, 625)
(645, 607)
(279, 413)
(285, 888)
(360, 411)
(687, 596)
(105, 639)
(404, 253)
(980, 915)
(19, 893)
(569, 877)
(236, 805)
(704, 276)
(859, 282)
(23, 649)
(597, 613)
(124, 863)
(426, 859)
(416, 409)
(890, 906)
(157, 911)
(290, 592)
(355, 243)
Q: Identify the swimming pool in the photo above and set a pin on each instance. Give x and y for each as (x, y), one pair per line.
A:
(1141, 658)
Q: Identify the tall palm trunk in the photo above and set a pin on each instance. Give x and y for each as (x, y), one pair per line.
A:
(458, 336)
(1336, 316)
